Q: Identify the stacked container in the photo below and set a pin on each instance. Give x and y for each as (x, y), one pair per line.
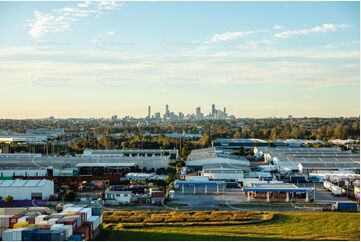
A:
(13, 234)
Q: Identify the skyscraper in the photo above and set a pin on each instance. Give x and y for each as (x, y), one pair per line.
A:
(149, 115)
(166, 110)
(198, 111)
(213, 109)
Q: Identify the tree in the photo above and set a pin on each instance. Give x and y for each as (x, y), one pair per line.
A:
(70, 196)
(8, 199)
(205, 140)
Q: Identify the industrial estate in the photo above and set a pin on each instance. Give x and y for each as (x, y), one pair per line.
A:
(179, 120)
(117, 179)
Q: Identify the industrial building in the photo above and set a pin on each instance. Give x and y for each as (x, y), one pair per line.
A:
(60, 163)
(115, 194)
(306, 160)
(200, 157)
(27, 189)
(225, 171)
(170, 154)
(238, 143)
(34, 136)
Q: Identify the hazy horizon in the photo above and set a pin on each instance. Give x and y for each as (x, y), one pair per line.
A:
(259, 59)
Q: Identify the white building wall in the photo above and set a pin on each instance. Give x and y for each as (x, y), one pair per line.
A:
(225, 176)
(24, 172)
(24, 193)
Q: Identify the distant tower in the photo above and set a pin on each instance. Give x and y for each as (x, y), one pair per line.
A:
(149, 115)
(224, 109)
(167, 110)
(198, 111)
(213, 109)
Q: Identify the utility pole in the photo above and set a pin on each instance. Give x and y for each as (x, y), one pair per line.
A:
(314, 193)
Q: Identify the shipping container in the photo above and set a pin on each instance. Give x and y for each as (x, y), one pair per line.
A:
(67, 228)
(96, 233)
(5, 221)
(14, 219)
(96, 211)
(88, 212)
(76, 237)
(95, 221)
(40, 219)
(12, 234)
(48, 235)
(26, 234)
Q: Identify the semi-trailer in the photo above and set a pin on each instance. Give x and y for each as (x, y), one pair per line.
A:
(345, 206)
(327, 185)
(336, 190)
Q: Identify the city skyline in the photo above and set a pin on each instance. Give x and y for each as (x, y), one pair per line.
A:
(97, 59)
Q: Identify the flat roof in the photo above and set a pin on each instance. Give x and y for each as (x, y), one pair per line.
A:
(227, 166)
(276, 187)
(306, 165)
(113, 164)
(200, 183)
(240, 141)
(23, 183)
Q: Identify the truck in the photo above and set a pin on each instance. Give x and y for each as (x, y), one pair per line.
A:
(345, 206)
(336, 190)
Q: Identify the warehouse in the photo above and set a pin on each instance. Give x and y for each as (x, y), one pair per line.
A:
(308, 159)
(307, 167)
(23, 172)
(200, 157)
(27, 189)
(238, 143)
(225, 171)
(60, 162)
(171, 154)
(98, 169)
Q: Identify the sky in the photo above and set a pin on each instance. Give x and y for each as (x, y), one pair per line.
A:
(260, 59)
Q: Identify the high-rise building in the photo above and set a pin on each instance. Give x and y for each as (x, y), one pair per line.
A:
(166, 110)
(198, 111)
(157, 115)
(149, 111)
(213, 109)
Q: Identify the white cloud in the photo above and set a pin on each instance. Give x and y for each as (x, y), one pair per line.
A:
(235, 35)
(327, 27)
(277, 26)
(111, 33)
(62, 19)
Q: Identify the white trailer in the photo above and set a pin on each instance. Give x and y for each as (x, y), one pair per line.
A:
(327, 185)
(336, 190)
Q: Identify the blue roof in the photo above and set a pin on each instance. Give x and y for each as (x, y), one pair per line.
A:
(200, 183)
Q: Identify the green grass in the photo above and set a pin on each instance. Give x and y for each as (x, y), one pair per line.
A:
(283, 226)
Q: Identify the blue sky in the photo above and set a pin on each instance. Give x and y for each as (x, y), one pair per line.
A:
(261, 59)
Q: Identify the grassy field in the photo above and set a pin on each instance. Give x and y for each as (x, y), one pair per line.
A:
(279, 226)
